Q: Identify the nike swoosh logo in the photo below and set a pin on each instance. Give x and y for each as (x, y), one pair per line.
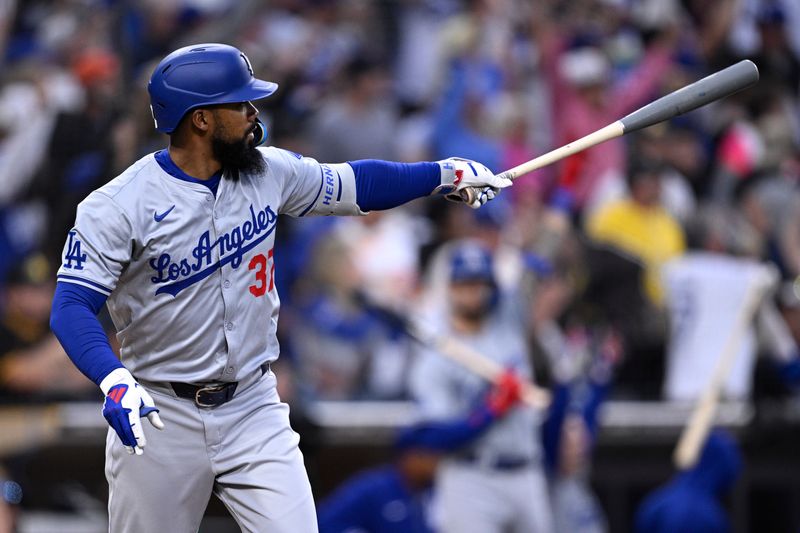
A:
(159, 218)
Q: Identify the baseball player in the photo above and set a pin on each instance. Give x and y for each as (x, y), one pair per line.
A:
(495, 483)
(691, 501)
(394, 498)
(180, 248)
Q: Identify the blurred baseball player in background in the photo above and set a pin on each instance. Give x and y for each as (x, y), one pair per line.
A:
(180, 247)
(690, 502)
(395, 498)
(391, 498)
(496, 483)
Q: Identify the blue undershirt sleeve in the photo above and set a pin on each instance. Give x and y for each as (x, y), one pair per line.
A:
(385, 184)
(450, 435)
(553, 422)
(73, 319)
(598, 392)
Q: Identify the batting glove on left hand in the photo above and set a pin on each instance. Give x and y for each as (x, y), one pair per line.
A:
(126, 403)
(469, 182)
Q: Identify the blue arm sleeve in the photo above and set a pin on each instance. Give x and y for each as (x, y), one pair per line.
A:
(598, 392)
(449, 435)
(551, 427)
(384, 184)
(73, 319)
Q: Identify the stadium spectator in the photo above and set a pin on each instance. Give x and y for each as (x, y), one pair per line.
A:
(33, 366)
(690, 502)
(392, 498)
(640, 226)
(586, 98)
(362, 110)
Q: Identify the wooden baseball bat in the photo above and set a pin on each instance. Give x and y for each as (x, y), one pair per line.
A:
(694, 435)
(475, 362)
(453, 349)
(723, 83)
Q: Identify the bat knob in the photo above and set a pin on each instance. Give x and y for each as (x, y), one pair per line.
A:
(466, 195)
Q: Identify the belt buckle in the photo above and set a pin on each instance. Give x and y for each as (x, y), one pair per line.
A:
(207, 389)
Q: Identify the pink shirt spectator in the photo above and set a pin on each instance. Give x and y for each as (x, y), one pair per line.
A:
(576, 117)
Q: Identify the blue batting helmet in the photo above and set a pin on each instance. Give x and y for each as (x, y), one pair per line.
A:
(200, 75)
(471, 261)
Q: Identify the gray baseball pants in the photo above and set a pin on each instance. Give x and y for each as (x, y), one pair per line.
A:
(244, 451)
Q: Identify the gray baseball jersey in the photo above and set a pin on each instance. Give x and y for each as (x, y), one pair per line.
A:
(473, 495)
(189, 276)
(445, 390)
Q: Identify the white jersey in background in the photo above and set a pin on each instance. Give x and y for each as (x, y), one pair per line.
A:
(705, 293)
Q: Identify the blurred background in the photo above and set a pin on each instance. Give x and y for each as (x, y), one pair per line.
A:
(634, 257)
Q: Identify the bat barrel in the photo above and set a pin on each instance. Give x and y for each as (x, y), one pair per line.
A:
(718, 85)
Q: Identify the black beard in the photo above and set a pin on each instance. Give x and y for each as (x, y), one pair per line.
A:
(237, 157)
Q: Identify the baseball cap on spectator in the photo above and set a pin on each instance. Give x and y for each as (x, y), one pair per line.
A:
(11, 492)
(585, 66)
(32, 270)
(770, 14)
(95, 65)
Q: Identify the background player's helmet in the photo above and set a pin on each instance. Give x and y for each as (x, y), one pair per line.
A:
(198, 75)
(471, 261)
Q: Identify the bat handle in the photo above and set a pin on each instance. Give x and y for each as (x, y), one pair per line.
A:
(507, 174)
(535, 397)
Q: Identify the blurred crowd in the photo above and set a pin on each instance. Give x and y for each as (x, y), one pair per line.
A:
(623, 237)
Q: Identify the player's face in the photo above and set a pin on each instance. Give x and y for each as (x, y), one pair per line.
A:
(232, 139)
(235, 122)
(470, 299)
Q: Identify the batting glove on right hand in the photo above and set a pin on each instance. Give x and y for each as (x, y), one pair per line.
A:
(506, 393)
(126, 402)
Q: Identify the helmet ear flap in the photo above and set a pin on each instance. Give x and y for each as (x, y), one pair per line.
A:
(260, 133)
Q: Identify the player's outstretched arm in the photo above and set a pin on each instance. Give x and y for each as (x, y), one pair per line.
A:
(384, 184)
(74, 321)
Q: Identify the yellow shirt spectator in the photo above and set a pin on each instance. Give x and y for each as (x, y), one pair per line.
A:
(647, 232)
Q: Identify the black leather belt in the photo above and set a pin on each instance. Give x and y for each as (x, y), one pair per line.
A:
(209, 395)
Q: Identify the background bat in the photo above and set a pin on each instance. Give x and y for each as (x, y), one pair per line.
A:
(455, 350)
(694, 435)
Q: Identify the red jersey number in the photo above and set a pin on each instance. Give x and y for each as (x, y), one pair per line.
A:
(259, 264)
